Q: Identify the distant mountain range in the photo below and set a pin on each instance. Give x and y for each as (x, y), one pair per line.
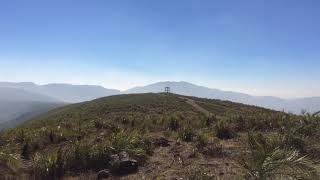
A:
(21, 101)
(64, 92)
(18, 105)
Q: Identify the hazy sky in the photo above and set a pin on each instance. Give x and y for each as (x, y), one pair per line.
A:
(260, 47)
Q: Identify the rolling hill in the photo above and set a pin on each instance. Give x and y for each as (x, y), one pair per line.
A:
(146, 126)
(311, 104)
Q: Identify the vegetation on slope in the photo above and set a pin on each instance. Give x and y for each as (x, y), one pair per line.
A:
(167, 138)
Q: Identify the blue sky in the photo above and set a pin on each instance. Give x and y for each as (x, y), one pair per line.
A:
(260, 47)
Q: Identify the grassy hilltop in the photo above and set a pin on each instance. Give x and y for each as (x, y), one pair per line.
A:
(167, 135)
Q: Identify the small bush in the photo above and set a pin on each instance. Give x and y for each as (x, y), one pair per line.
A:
(223, 130)
(266, 160)
(186, 134)
(133, 143)
(49, 166)
(241, 124)
(202, 141)
(174, 121)
(21, 136)
(208, 146)
(87, 157)
(210, 120)
(80, 156)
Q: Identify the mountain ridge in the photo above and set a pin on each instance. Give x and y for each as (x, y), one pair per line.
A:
(64, 92)
(79, 93)
(296, 105)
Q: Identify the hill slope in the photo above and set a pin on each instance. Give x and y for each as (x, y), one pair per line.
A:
(137, 124)
(145, 105)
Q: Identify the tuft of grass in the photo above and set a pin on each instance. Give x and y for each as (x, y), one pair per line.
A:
(133, 144)
(49, 166)
(224, 130)
(10, 161)
(186, 134)
(175, 121)
(266, 160)
(208, 146)
(202, 140)
(199, 174)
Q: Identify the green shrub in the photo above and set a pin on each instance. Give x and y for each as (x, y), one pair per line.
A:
(133, 143)
(99, 157)
(86, 157)
(80, 156)
(202, 141)
(266, 160)
(174, 121)
(21, 136)
(49, 166)
(208, 146)
(224, 130)
(186, 134)
(241, 124)
(210, 120)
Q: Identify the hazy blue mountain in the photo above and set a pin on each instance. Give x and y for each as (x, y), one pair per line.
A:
(18, 105)
(13, 113)
(64, 92)
(185, 88)
(22, 101)
(77, 93)
(14, 94)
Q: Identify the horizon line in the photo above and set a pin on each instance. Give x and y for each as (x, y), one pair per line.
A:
(168, 81)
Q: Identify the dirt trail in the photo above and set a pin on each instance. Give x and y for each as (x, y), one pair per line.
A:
(196, 106)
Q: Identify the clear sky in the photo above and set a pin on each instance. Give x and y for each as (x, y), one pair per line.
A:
(260, 47)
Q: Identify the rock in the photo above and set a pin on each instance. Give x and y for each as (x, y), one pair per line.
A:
(104, 174)
(124, 156)
(161, 142)
(122, 164)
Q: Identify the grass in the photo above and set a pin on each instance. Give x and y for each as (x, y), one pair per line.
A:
(10, 161)
(267, 160)
(80, 138)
